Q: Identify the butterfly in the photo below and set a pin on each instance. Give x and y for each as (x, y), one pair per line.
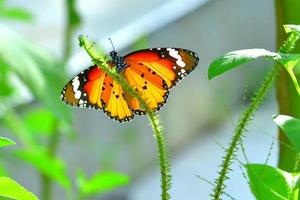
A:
(151, 72)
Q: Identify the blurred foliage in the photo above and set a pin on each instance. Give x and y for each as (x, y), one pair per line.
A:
(29, 73)
(6, 142)
(14, 13)
(40, 121)
(74, 17)
(36, 68)
(11, 189)
(141, 43)
(52, 167)
(100, 182)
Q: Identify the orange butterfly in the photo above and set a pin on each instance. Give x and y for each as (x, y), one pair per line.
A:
(152, 72)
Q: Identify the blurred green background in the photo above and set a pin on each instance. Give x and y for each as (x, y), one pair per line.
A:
(85, 155)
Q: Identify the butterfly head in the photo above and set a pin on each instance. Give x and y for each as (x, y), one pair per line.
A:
(113, 54)
(118, 61)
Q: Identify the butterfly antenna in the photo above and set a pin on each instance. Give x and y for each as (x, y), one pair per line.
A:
(111, 44)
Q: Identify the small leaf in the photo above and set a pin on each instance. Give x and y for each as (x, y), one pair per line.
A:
(291, 28)
(291, 127)
(40, 121)
(235, 58)
(6, 142)
(15, 13)
(101, 182)
(11, 189)
(289, 61)
(51, 167)
(270, 183)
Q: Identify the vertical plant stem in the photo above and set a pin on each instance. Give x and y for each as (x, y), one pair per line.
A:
(239, 130)
(163, 155)
(52, 148)
(72, 21)
(287, 12)
(154, 119)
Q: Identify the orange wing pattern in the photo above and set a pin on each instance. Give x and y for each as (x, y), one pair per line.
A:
(93, 88)
(115, 106)
(151, 72)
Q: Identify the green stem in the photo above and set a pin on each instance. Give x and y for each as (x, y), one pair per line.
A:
(72, 20)
(101, 62)
(46, 181)
(287, 12)
(68, 31)
(239, 130)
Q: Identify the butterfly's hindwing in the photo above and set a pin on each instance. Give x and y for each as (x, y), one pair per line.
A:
(114, 103)
(151, 87)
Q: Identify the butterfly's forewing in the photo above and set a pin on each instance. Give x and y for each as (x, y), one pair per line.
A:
(172, 64)
(84, 90)
(157, 70)
(93, 88)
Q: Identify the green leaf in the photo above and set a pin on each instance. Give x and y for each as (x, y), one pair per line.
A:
(101, 182)
(15, 14)
(52, 167)
(36, 68)
(289, 61)
(291, 28)
(270, 183)
(291, 127)
(11, 189)
(235, 58)
(41, 121)
(6, 142)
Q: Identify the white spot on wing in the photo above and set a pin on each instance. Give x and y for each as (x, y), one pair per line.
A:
(180, 63)
(77, 94)
(75, 84)
(174, 54)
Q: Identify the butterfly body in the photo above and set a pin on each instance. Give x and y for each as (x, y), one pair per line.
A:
(151, 72)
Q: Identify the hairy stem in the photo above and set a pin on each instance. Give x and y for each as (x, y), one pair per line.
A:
(101, 62)
(239, 130)
(245, 119)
